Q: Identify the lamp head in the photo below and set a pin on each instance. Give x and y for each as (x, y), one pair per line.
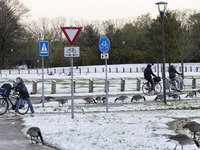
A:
(162, 6)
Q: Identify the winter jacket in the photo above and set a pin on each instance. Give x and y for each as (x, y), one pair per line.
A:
(21, 88)
(172, 72)
(148, 72)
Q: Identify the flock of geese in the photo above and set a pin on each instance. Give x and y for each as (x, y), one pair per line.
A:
(136, 97)
(182, 139)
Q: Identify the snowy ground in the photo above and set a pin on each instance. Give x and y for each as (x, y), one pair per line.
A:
(110, 131)
(128, 126)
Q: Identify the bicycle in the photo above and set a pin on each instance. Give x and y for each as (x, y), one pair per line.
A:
(6, 100)
(104, 44)
(173, 85)
(146, 88)
(71, 50)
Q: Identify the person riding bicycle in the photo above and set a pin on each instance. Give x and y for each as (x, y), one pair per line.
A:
(148, 73)
(23, 92)
(172, 76)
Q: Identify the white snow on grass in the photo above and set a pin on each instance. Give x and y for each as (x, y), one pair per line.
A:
(110, 131)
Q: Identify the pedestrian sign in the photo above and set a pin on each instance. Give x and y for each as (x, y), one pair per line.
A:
(44, 48)
(104, 44)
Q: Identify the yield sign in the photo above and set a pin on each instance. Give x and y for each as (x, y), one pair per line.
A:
(71, 33)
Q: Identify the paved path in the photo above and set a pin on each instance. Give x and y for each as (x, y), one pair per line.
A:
(11, 137)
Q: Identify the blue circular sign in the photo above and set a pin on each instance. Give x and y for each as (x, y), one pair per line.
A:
(104, 44)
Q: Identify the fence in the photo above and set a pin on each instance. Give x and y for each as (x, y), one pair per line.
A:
(131, 68)
(114, 85)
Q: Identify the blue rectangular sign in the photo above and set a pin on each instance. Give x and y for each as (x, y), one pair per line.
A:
(44, 48)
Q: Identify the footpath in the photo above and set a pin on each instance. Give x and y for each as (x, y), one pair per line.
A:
(11, 137)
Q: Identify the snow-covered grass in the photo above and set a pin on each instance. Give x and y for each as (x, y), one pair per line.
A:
(110, 131)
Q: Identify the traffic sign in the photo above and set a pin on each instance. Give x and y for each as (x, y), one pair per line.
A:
(71, 52)
(104, 44)
(71, 33)
(44, 48)
(104, 55)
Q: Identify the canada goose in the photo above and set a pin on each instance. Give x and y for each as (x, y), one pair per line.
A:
(48, 98)
(192, 94)
(104, 99)
(138, 97)
(35, 132)
(182, 139)
(121, 98)
(159, 96)
(98, 98)
(62, 101)
(193, 127)
(175, 96)
(89, 99)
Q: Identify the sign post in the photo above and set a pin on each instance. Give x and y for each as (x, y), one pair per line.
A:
(71, 34)
(44, 51)
(104, 46)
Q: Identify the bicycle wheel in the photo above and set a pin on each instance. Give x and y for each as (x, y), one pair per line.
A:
(24, 107)
(158, 88)
(3, 106)
(145, 88)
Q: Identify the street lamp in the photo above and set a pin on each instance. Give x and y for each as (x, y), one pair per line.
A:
(12, 57)
(123, 43)
(162, 6)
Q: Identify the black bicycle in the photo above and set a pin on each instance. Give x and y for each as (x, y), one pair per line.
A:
(9, 102)
(146, 89)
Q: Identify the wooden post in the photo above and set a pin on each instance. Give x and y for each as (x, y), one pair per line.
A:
(34, 88)
(90, 85)
(138, 84)
(53, 87)
(122, 85)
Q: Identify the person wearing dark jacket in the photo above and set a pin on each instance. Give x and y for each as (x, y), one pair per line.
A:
(172, 75)
(23, 92)
(148, 73)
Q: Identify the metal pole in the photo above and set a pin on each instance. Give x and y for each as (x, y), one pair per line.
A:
(124, 52)
(72, 88)
(42, 81)
(163, 55)
(106, 85)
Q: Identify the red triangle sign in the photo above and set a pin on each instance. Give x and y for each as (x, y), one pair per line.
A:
(71, 33)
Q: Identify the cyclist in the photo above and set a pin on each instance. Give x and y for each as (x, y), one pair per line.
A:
(172, 76)
(23, 92)
(148, 73)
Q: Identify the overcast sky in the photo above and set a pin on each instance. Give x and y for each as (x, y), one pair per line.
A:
(101, 9)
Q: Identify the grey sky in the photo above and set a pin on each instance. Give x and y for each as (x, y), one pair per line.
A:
(101, 9)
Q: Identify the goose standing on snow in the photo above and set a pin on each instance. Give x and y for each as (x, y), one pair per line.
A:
(193, 127)
(182, 140)
(35, 132)
(121, 98)
(159, 96)
(137, 97)
(62, 101)
(89, 99)
(104, 99)
(98, 98)
(192, 94)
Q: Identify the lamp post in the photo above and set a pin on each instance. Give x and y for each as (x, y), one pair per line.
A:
(12, 57)
(123, 43)
(162, 6)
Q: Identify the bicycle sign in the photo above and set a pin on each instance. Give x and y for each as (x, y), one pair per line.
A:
(104, 44)
(71, 52)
